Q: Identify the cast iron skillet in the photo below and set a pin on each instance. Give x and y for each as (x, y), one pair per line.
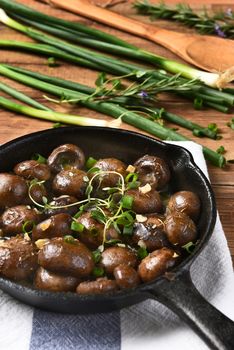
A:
(177, 293)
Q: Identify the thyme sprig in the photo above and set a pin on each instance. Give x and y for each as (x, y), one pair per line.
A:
(220, 23)
(109, 211)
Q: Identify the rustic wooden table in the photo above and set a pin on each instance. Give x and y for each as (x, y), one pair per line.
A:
(14, 125)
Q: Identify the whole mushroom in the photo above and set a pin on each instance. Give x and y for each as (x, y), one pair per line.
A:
(67, 156)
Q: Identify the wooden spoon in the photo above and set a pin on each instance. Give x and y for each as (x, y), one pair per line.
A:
(207, 52)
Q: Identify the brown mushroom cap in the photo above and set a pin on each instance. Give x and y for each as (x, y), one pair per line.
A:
(114, 256)
(145, 203)
(180, 229)
(73, 259)
(55, 226)
(31, 169)
(152, 170)
(110, 164)
(126, 276)
(66, 156)
(13, 219)
(13, 190)
(18, 259)
(100, 286)
(47, 280)
(70, 182)
(186, 202)
(156, 264)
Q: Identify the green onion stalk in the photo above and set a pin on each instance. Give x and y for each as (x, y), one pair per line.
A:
(210, 79)
(54, 116)
(111, 109)
(210, 97)
(73, 86)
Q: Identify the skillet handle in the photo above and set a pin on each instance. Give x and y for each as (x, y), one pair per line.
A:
(182, 297)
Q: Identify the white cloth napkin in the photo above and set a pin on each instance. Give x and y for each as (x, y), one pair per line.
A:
(148, 325)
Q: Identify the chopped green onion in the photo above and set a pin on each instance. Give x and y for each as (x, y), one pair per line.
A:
(96, 255)
(98, 271)
(221, 150)
(142, 253)
(69, 239)
(52, 62)
(90, 163)
(39, 158)
(189, 247)
(128, 230)
(28, 226)
(127, 202)
(77, 226)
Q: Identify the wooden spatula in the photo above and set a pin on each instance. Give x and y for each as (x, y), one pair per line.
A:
(207, 52)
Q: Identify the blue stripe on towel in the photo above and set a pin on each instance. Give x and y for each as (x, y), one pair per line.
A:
(52, 331)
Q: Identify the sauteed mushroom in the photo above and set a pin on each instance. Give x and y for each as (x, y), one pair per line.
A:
(145, 202)
(100, 286)
(186, 202)
(57, 225)
(157, 263)
(18, 258)
(54, 282)
(13, 190)
(66, 156)
(71, 182)
(152, 170)
(180, 228)
(72, 258)
(31, 169)
(13, 219)
(92, 231)
(110, 164)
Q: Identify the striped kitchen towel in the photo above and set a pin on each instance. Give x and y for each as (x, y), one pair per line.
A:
(148, 325)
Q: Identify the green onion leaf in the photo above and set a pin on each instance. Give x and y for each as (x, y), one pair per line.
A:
(90, 162)
(221, 150)
(96, 255)
(77, 226)
(69, 239)
(52, 62)
(198, 103)
(142, 253)
(101, 79)
(99, 216)
(98, 271)
(39, 158)
(127, 201)
(189, 247)
(128, 230)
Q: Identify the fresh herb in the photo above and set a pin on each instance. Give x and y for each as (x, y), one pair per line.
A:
(98, 271)
(27, 226)
(107, 108)
(52, 62)
(220, 23)
(231, 124)
(69, 239)
(39, 158)
(96, 255)
(90, 163)
(77, 226)
(79, 54)
(189, 247)
(142, 253)
(221, 150)
(127, 202)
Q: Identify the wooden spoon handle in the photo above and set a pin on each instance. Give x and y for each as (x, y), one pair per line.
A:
(86, 9)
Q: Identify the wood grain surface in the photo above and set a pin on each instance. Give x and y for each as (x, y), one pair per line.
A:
(13, 125)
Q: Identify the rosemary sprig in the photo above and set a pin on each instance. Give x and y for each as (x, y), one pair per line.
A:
(221, 23)
(147, 89)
